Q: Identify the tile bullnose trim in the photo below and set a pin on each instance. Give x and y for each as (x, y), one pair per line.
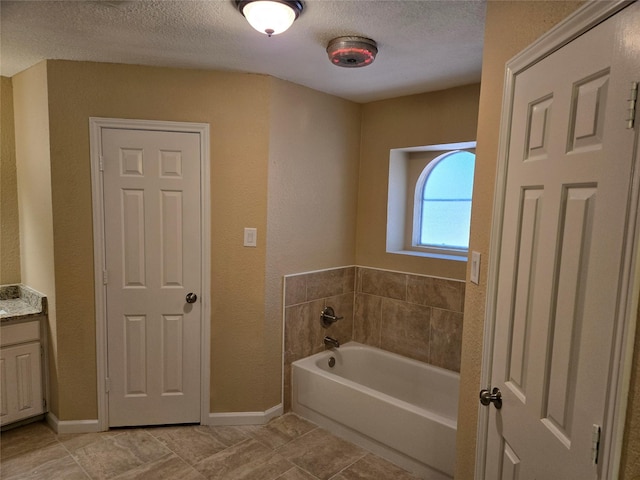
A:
(319, 271)
(364, 267)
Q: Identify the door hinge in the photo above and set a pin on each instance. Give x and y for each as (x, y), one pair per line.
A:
(632, 105)
(107, 384)
(596, 431)
(44, 403)
(101, 163)
(105, 277)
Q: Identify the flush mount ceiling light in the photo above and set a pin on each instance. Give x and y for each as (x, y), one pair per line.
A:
(270, 17)
(352, 52)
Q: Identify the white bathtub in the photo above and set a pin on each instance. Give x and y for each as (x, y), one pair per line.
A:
(396, 407)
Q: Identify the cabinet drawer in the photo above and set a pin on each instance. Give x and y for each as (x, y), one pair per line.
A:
(19, 333)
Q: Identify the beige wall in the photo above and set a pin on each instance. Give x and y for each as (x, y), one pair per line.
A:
(447, 116)
(31, 116)
(630, 461)
(265, 134)
(9, 234)
(313, 173)
(510, 27)
(236, 107)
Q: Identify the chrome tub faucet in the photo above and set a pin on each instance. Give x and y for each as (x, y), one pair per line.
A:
(330, 342)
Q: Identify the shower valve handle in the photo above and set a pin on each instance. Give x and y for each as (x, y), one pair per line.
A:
(328, 316)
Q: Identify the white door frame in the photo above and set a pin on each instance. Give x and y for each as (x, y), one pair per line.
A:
(95, 126)
(579, 22)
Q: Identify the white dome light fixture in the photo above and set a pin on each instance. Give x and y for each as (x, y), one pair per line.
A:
(270, 17)
(352, 52)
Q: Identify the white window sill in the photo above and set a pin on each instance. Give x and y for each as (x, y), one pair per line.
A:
(440, 256)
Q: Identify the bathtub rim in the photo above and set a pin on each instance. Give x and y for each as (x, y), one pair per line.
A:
(310, 364)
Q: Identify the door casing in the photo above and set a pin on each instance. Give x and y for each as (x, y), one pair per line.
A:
(96, 124)
(575, 25)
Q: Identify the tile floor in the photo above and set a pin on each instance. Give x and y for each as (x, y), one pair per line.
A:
(287, 448)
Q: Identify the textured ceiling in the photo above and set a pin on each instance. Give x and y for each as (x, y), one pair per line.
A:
(424, 45)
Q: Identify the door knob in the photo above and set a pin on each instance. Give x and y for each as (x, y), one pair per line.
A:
(191, 297)
(495, 396)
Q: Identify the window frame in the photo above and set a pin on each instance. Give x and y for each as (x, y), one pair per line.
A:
(405, 166)
(418, 204)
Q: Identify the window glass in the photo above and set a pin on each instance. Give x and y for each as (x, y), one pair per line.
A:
(444, 211)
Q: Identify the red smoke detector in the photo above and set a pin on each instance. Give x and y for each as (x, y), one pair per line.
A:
(352, 52)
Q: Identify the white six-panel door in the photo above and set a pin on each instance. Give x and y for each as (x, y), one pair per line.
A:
(151, 191)
(566, 213)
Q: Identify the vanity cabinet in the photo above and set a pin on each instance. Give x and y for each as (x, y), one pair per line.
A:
(21, 392)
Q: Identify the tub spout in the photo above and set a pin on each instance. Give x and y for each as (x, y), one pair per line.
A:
(331, 342)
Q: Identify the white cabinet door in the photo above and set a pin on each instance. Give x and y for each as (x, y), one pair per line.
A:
(20, 382)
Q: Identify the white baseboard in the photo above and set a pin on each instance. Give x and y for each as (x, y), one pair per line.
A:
(232, 418)
(72, 426)
(245, 418)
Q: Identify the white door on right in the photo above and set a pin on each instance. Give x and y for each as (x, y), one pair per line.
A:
(566, 211)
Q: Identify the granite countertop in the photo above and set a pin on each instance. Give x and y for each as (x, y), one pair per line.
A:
(19, 302)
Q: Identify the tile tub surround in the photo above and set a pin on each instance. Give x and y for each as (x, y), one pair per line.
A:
(287, 448)
(20, 301)
(417, 316)
(305, 297)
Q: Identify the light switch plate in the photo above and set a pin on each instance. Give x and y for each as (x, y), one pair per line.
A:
(250, 237)
(475, 267)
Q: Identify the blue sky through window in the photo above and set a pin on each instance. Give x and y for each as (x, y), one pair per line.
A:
(446, 201)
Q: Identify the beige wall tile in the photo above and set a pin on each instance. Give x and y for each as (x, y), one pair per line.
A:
(329, 283)
(445, 347)
(295, 290)
(367, 319)
(435, 292)
(303, 333)
(382, 312)
(286, 390)
(342, 330)
(383, 283)
(405, 329)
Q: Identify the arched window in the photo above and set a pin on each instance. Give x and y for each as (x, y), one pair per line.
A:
(442, 213)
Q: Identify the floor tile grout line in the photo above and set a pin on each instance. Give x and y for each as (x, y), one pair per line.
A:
(366, 452)
(225, 446)
(171, 450)
(191, 467)
(307, 471)
(296, 438)
(73, 457)
(248, 439)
